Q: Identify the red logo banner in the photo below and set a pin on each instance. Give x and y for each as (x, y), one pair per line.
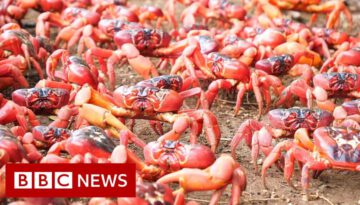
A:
(70, 180)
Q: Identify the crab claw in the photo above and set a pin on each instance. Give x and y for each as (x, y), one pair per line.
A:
(103, 118)
(100, 117)
(224, 171)
(121, 154)
(195, 119)
(347, 111)
(273, 157)
(245, 131)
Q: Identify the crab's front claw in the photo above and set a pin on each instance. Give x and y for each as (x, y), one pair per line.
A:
(212, 129)
(142, 65)
(224, 171)
(33, 154)
(54, 84)
(245, 131)
(348, 110)
(123, 155)
(273, 157)
(207, 119)
(87, 94)
(100, 117)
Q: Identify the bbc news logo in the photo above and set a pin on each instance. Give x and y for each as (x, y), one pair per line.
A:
(43, 180)
(70, 180)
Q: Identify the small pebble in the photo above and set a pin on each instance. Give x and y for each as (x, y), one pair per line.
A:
(266, 193)
(288, 200)
(359, 202)
(274, 195)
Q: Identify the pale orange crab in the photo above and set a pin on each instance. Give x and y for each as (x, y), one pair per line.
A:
(333, 9)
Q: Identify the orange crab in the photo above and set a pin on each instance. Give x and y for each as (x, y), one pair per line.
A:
(332, 8)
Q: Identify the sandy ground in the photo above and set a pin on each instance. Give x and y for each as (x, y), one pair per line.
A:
(332, 187)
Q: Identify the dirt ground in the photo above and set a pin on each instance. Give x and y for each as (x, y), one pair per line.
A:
(332, 187)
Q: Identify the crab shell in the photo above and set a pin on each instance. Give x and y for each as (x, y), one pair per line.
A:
(79, 72)
(91, 140)
(301, 54)
(41, 100)
(207, 44)
(72, 13)
(111, 26)
(225, 67)
(341, 146)
(334, 82)
(294, 118)
(276, 65)
(174, 155)
(350, 57)
(146, 40)
(49, 135)
(119, 12)
(51, 5)
(148, 99)
(19, 37)
(172, 82)
(11, 145)
(270, 37)
(150, 194)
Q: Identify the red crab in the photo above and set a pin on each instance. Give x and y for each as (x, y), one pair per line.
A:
(224, 171)
(332, 148)
(172, 156)
(205, 39)
(283, 123)
(149, 102)
(343, 57)
(89, 140)
(12, 112)
(229, 73)
(74, 69)
(89, 36)
(222, 10)
(41, 100)
(11, 72)
(10, 12)
(70, 20)
(163, 157)
(13, 151)
(285, 64)
(16, 42)
(243, 50)
(132, 44)
(45, 136)
(332, 8)
(326, 86)
(301, 54)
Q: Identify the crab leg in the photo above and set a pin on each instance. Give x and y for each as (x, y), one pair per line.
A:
(15, 73)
